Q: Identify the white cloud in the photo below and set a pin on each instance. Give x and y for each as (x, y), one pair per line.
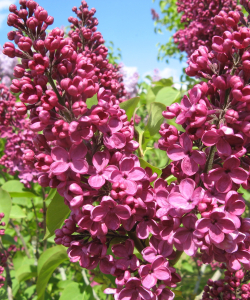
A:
(166, 73)
(4, 5)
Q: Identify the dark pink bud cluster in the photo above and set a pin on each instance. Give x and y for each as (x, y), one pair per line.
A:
(200, 22)
(210, 159)
(234, 286)
(19, 147)
(86, 153)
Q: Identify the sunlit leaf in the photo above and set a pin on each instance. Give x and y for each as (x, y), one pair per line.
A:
(57, 212)
(47, 263)
(129, 106)
(5, 206)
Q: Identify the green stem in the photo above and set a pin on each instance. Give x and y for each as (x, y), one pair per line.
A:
(175, 260)
(138, 244)
(210, 160)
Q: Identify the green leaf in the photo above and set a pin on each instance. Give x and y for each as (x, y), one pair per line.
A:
(16, 189)
(129, 106)
(17, 212)
(57, 212)
(92, 101)
(187, 266)
(5, 206)
(88, 293)
(18, 259)
(167, 96)
(72, 292)
(150, 97)
(27, 270)
(164, 82)
(47, 263)
(7, 239)
(145, 164)
(51, 194)
(155, 118)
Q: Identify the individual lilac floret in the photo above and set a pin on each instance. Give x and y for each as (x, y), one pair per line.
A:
(188, 197)
(110, 213)
(74, 159)
(125, 250)
(158, 270)
(229, 173)
(101, 169)
(190, 158)
(217, 225)
(184, 239)
(128, 175)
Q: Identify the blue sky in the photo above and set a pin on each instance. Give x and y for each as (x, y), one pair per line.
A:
(127, 23)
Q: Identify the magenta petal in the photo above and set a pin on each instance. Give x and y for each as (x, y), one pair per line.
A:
(59, 154)
(117, 141)
(203, 225)
(116, 176)
(122, 211)
(162, 273)
(189, 166)
(176, 152)
(181, 235)
(176, 200)
(238, 175)
(226, 225)
(231, 163)
(142, 230)
(186, 142)
(223, 147)
(210, 138)
(162, 198)
(115, 124)
(136, 174)
(224, 184)
(78, 151)
(149, 281)
(120, 250)
(216, 234)
(187, 187)
(189, 246)
(100, 160)
(107, 171)
(149, 254)
(59, 167)
(234, 264)
(216, 174)
(144, 294)
(127, 165)
(199, 157)
(126, 294)
(79, 166)
(112, 221)
(131, 187)
(98, 213)
(96, 181)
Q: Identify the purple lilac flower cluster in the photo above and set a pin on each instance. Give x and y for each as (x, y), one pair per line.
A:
(19, 139)
(233, 286)
(200, 27)
(86, 153)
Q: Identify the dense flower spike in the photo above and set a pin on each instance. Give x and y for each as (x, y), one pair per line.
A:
(233, 286)
(85, 151)
(200, 22)
(19, 139)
